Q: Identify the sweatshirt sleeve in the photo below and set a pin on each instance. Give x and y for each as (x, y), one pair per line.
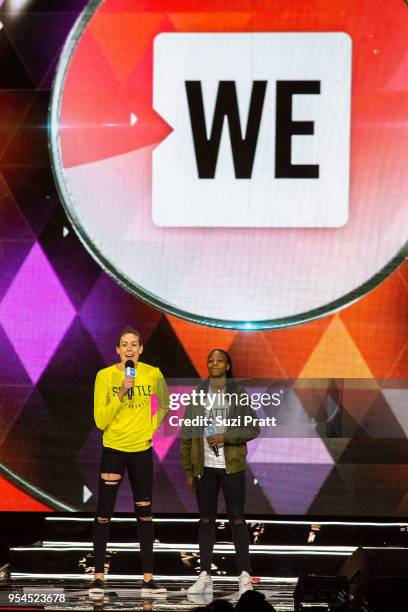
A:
(162, 393)
(104, 410)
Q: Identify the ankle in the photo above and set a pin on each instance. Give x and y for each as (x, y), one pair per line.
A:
(147, 577)
(98, 576)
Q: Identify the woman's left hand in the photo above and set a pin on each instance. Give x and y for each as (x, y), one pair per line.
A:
(215, 440)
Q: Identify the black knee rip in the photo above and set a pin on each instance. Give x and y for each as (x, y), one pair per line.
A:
(102, 520)
(143, 510)
(143, 502)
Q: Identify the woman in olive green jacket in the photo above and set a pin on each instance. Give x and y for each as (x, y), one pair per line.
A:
(216, 429)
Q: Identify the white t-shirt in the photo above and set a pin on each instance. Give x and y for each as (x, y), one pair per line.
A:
(220, 408)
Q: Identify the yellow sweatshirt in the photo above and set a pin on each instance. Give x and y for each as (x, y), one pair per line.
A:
(128, 425)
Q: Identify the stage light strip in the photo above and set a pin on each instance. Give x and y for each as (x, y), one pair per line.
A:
(164, 578)
(188, 548)
(248, 520)
(161, 546)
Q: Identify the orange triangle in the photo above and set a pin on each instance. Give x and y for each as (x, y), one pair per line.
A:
(358, 401)
(336, 356)
(253, 358)
(198, 340)
(403, 272)
(292, 346)
(212, 22)
(124, 37)
(400, 367)
(378, 324)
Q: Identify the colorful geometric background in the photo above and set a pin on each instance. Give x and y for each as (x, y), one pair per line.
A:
(60, 315)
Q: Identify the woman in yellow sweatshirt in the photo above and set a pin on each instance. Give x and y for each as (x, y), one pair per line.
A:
(122, 409)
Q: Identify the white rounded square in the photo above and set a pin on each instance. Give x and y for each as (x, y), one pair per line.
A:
(180, 198)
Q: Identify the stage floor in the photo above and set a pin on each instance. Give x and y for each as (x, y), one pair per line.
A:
(69, 595)
(52, 567)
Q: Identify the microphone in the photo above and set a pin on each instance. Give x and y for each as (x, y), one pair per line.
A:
(211, 431)
(130, 371)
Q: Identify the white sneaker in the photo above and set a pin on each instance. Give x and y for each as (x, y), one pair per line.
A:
(245, 583)
(200, 599)
(203, 584)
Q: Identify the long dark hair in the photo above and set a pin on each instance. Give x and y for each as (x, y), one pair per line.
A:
(228, 373)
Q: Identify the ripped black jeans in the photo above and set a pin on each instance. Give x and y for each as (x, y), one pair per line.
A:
(207, 489)
(139, 466)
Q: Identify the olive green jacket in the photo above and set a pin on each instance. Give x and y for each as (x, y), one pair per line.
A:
(235, 437)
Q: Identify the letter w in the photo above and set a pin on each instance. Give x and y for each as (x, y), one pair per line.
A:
(226, 105)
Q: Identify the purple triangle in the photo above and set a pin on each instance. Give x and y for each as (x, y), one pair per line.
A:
(105, 323)
(36, 312)
(13, 253)
(12, 371)
(289, 450)
(88, 461)
(178, 481)
(291, 488)
(37, 51)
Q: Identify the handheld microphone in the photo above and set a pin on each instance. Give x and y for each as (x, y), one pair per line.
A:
(130, 371)
(211, 431)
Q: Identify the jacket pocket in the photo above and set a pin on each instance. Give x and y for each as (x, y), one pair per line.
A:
(234, 453)
(194, 452)
(235, 456)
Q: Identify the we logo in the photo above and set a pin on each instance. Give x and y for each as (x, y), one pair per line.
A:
(261, 130)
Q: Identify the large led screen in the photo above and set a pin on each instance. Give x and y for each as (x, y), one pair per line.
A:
(225, 174)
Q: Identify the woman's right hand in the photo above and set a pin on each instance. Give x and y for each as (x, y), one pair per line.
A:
(190, 482)
(128, 383)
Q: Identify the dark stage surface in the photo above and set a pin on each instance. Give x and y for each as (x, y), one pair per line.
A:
(51, 566)
(126, 595)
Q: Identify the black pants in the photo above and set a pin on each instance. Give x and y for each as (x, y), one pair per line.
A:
(140, 471)
(207, 489)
